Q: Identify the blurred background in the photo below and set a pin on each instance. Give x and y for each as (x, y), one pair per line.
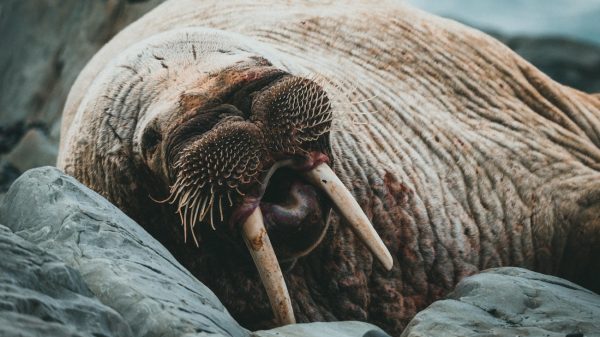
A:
(571, 19)
(45, 43)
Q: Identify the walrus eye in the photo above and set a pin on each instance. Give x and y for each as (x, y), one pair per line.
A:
(150, 140)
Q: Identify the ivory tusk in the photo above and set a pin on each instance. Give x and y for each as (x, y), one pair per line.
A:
(324, 177)
(258, 243)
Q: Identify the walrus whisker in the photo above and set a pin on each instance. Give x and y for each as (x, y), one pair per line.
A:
(240, 192)
(195, 206)
(180, 216)
(194, 236)
(229, 197)
(365, 100)
(196, 192)
(176, 190)
(204, 208)
(159, 201)
(201, 208)
(211, 204)
(185, 224)
(221, 208)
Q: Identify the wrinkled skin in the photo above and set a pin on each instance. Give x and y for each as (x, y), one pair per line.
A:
(462, 154)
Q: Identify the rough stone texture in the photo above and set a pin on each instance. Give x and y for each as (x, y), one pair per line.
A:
(57, 219)
(511, 302)
(121, 263)
(41, 296)
(335, 329)
(44, 44)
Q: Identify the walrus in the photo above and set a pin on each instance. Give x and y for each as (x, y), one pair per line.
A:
(366, 158)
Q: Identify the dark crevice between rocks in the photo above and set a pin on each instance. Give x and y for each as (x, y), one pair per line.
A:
(8, 174)
(49, 82)
(10, 135)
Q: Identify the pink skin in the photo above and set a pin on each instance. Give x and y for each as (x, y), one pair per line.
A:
(303, 195)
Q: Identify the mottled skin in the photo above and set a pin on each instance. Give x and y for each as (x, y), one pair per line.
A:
(464, 156)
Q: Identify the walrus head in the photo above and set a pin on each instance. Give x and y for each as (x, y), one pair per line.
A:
(249, 149)
(241, 145)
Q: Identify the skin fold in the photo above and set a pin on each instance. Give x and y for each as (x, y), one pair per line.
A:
(463, 155)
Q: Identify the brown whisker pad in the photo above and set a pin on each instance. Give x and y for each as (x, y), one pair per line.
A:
(212, 167)
(296, 113)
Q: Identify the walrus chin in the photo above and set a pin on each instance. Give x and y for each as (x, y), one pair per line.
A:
(265, 160)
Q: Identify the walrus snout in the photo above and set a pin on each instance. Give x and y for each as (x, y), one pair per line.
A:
(258, 163)
(220, 155)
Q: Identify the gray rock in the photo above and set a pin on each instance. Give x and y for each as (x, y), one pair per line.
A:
(122, 264)
(511, 302)
(41, 296)
(45, 44)
(8, 174)
(335, 329)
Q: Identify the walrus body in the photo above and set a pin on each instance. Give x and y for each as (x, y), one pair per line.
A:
(462, 154)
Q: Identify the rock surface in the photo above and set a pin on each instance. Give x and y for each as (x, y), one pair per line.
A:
(511, 302)
(44, 45)
(41, 296)
(78, 246)
(319, 329)
(121, 263)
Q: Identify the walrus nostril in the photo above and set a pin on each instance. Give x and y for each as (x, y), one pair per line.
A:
(296, 113)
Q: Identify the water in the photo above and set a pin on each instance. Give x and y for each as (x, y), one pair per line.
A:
(579, 19)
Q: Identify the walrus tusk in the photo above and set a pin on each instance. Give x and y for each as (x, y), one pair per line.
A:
(324, 177)
(256, 238)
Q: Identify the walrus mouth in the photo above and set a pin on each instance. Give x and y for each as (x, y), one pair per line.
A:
(324, 179)
(265, 163)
